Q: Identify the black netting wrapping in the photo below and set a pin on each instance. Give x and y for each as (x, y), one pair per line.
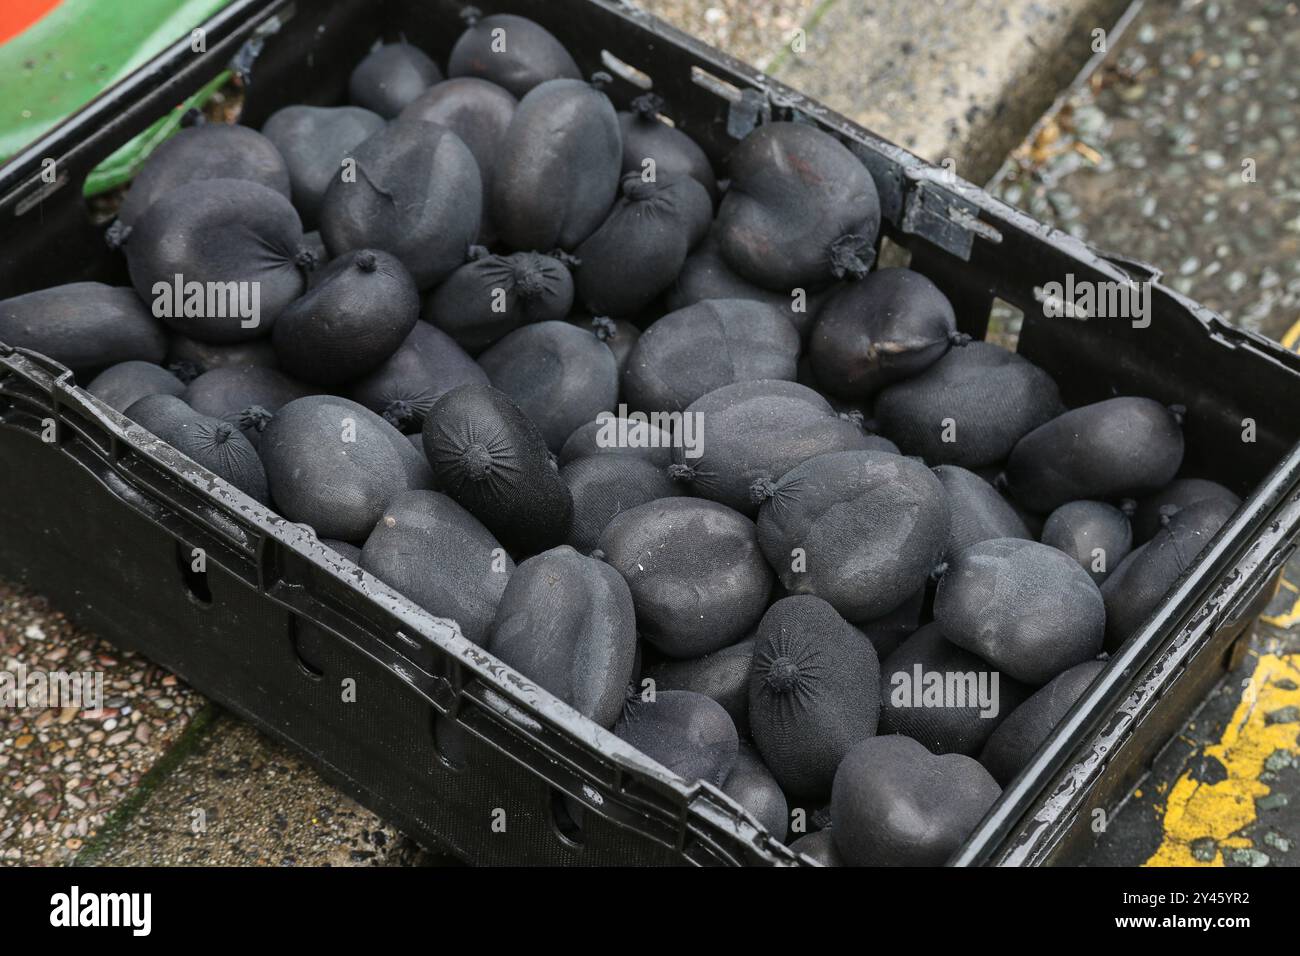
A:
(604, 486)
(335, 465)
(558, 172)
(608, 435)
(436, 553)
(756, 432)
(646, 137)
(122, 385)
(1096, 534)
(558, 375)
(348, 323)
(699, 349)
(619, 335)
(479, 112)
(801, 210)
(427, 366)
(942, 696)
(532, 54)
(417, 193)
(896, 804)
(1024, 607)
(84, 325)
(978, 510)
(487, 455)
(688, 733)
(390, 77)
(1119, 448)
(752, 785)
(722, 675)
(820, 846)
(216, 445)
(247, 396)
(219, 231)
(189, 358)
(697, 577)
(205, 151)
(969, 408)
(314, 140)
(887, 631)
(1178, 494)
(862, 530)
(491, 296)
(1024, 731)
(814, 692)
(1143, 578)
(566, 621)
(639, 249)
(705, 275)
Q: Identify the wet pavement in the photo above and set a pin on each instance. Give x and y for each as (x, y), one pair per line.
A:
(1184, 151)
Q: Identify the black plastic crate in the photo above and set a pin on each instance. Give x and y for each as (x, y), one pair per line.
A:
(103, 518)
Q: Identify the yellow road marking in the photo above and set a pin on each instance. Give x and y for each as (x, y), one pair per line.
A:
(1288, 618)
(1292, 336)
(1222, 810)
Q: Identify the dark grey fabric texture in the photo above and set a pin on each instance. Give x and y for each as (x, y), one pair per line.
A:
(490, 296)
(532, 54)
(638, 250)
(722, 675)
(796, 194)
(862, 530)
(86, 326)
(216, 445)
(896, 804)
(390, 77)
(1142, 579)
(426, 366)
(981, 396)
(350, 322)
(479, 112)
(417, 193)
(219, 231)
(436, 553)
(601, 436)
(887, 631)
(566, 621)
(752, 785)
(1024, 731)
(758, 431)
(120, 386)
(557, 176)
(699, 349)
(205, 151)
(706, 275)
(1024, 607)
(604, 486)
(335, 465)
(890, 326)
(673, 153)
(619, 335)
(978, 510)
(697, 577)
(1172, 498)
(1118, 448)
(688, 733)
(488, 456)
(314, 141)
(247, 396)
(1096, 534)
(814, 692)
(560, 376)
(930, 690)
(194, 357)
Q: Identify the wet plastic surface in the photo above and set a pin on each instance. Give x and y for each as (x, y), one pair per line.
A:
(441, 733)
